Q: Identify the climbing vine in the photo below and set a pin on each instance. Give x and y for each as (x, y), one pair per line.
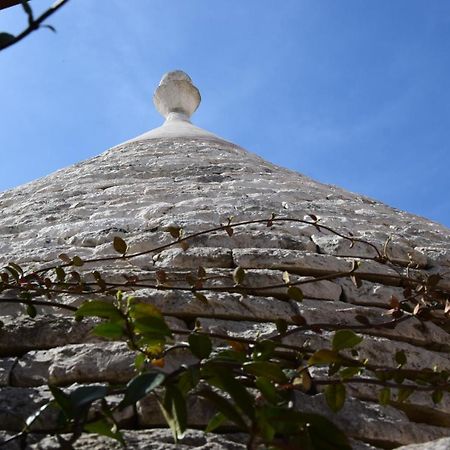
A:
(253, 385)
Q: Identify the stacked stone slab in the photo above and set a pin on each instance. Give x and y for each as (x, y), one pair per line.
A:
(180, 174)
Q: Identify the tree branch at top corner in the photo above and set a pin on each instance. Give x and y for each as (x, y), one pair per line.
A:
(33, 25)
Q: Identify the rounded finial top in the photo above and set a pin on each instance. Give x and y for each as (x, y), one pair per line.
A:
(176, 97)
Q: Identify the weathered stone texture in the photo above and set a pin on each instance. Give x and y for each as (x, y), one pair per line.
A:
(138, 189)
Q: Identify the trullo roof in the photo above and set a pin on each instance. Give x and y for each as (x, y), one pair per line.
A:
(181, 175)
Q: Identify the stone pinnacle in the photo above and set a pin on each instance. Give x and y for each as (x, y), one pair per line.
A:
(176, 98)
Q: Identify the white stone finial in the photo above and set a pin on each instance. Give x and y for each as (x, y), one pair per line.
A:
(176, 98)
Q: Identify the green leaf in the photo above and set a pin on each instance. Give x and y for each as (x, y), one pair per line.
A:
(62, 399)
(324, 356)
(295, 293)
(139, 361)
(149, 321)
(109, 330)
(16, 267)
(349, 372)
(239, 275)
(188, 380)
(201, 297)
(215, 422)
(82, 398)
(281, 325)
(174, 231)
(60, 273)
(225, 407)
(120, 246)
(5, 39)
(263, 350)
(343, 339)
(36, 414)
(105, 428)
(335, 396)
(400, 358)
(266, 369)
(224, 380)
(200, 345)
(31, 310)
(384, 396)
(268, 390)
(174, 410)
(437, 396)
(404, 394)
(140, 386)
(324, 434)
(99, 308)
(77, 261)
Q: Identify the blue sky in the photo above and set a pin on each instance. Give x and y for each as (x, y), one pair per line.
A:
(353, 93)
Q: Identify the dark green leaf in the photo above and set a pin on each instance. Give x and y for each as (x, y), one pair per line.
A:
(84, 396)
(60, 273)
(174, 231)
(268, 390)
(188, 380)
(384, 396)
(349, 372)
(50, 27)
(335, 396)
(16, 267)
(324, 434)
(77, 261)
(63, 400)
(225, 381)
(109, 330)
(200, 345)
(149, 321)
(140, 386)
(99, 308)
(324, 356)
(225, 407)
(437, 396)
(343, 339)
(400, 358)
(104, 428)
(239, 275)
(403, 394)
(174, 410)
(295, 293)
(120, 246)
(31, 310)
(215, 422)
(281, 325)
(266, 369)
(201, 297)
(36, 414)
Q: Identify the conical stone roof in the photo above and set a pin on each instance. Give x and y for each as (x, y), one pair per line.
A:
(181, 175)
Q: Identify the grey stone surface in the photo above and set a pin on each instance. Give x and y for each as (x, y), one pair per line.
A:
(382, 426)
(440, 444)
(156, 439)
(85, 363)
(22, 334)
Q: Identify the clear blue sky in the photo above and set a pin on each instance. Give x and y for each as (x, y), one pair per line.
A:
(353, 93)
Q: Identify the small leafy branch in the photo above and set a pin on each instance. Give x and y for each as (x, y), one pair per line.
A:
(251, 384)
(34, 23)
